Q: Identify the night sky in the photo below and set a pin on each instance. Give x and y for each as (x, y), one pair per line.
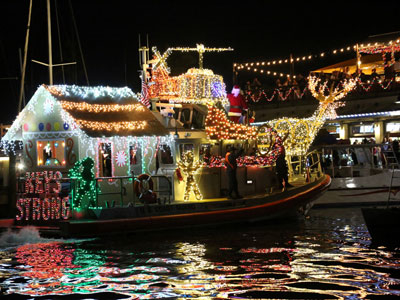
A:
(108, 34)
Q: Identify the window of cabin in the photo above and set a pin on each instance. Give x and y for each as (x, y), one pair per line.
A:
(166, 155)
(135, 155)
(50, 153)
(185, 147)
(205, 153)
(135, 159)
(105, 160)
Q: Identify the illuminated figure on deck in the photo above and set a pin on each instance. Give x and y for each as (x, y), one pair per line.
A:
(83, 172)
(189, 167)
(237, 104)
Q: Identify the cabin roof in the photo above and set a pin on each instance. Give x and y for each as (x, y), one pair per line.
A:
(105, 111)
(97, 111)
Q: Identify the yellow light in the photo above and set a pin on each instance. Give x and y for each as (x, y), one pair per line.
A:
(190, 167)
(111, 126)
(101, 108)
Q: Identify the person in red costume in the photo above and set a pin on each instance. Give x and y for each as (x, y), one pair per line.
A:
(237, 104)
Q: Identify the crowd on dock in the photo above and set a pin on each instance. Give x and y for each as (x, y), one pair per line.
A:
(295, 87)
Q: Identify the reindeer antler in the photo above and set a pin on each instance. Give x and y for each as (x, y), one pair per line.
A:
(334, 93)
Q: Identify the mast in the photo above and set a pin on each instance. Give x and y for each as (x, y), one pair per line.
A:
(49, 42)
(50, 65)
(21, 90)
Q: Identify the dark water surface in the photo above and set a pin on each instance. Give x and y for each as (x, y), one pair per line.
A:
(326, 256)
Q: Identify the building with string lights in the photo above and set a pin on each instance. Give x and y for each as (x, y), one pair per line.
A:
(369, 111)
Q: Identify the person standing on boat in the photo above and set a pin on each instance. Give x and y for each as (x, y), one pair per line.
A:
(231, 166)
(281, 169)
(237, 104)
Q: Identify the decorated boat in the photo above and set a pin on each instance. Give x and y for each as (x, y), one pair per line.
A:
(102, 160)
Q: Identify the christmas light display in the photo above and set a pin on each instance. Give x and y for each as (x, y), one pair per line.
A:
(195, 86)
(121, 158)
(82, 172)
(42, 198)
(370, 48)
(218, 127)
(189, 167)
(101, 108)
(111, 126)
(256, 96)
(89, 93)
(200, 49)
(298, 134)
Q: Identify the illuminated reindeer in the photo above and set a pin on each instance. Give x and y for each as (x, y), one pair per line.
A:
(298, 134)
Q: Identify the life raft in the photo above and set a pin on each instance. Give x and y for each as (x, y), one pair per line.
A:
(143, 188)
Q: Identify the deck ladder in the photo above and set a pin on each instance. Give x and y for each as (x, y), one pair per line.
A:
(394, 176)
(391, 157)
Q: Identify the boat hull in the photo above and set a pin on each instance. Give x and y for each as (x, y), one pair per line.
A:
(383, 224)
(258, 208)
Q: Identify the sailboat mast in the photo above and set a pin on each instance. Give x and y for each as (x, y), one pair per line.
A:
(21, 90)
(49, 40)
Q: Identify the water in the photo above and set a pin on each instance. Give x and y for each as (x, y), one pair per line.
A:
(326, 256)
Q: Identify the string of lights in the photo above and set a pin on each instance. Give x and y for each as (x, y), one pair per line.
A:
(101, 108)
(277, 94)
(370, 48)
(219, 127)
(111, 126)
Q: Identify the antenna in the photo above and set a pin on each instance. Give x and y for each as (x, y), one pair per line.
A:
(201, 49)
(143, 58)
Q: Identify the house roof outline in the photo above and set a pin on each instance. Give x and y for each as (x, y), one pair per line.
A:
(117, 110)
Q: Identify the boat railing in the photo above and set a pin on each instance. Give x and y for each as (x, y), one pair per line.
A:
(162, 186)
(121, 188)
(301, 164)
(346, 160)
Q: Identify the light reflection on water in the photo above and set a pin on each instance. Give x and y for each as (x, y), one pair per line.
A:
(327, 256)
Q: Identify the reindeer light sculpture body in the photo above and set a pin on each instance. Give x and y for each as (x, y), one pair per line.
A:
(299, 133)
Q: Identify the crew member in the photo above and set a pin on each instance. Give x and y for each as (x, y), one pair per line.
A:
(231, 166)
(281, 169)
(237, 104)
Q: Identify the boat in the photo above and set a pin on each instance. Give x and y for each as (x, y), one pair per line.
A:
(100, 161)
(362, 175)
(355, 142)
(383, 224)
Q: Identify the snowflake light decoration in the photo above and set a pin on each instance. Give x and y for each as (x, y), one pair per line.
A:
(121, 158)
(48, 106)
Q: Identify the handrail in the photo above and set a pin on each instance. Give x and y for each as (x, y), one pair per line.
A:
(121, 191)
(169, 186)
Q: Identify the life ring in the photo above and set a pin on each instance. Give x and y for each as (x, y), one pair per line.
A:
(143, 185)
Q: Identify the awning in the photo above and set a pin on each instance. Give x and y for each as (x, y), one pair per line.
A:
(368, 62)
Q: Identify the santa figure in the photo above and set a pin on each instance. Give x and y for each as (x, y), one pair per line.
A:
(237, 104)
